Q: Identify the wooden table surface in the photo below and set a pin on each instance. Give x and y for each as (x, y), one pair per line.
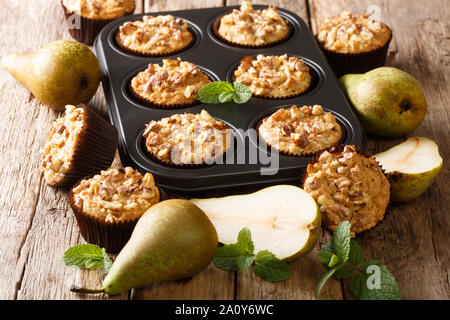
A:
(37, 224)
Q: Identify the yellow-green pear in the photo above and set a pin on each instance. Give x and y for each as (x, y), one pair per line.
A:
(61, 73)
(411, 167)
(388, 101)
(283, 219)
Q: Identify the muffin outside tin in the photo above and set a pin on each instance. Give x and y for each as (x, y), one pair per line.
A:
(220, 59)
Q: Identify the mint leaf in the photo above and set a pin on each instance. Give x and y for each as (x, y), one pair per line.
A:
(333, 261)
(340, 242)
(84, 256)
(270, 268)
(324, 257)
(107, 262)
(245, 240)
(356, 255)
(242, 92)
(244, 262)
(226, 257)
(376, 282)
(324, 279)
(225, 97)
(343, 273)
(211, 92)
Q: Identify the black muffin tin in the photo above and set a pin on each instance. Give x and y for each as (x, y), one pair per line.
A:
(218, 60)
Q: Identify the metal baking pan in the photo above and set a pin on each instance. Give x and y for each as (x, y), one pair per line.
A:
(219, 60)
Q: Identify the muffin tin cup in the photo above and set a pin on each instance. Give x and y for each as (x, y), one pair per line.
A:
(84, 30)
(246, 164)
(344, 63)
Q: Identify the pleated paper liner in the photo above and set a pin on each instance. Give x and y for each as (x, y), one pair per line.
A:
(215, 29)
(344, 63)
(94, 151)
(83, 29)
(306, 154)
(147, 54)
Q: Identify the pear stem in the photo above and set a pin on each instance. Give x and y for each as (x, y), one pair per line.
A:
(77, 289)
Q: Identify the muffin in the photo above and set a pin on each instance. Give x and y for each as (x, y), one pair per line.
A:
(86, 18)
(153, 36)
(354, 43)
(274, 76)
(252, 28)
(300, 131)
(79, 144)
(175, 83)
(187, 139)
(348, 186)
(108, 205)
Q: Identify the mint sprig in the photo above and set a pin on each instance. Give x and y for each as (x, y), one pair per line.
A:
(87, 256)
(342, 257)
(240, 256)
(224, 92)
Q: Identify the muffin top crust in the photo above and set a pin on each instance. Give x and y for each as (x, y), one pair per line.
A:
(101, 9)
(62, 141)
(274, 76)
(348, 186)
(349, 33)
(155, 35)
(116, 195)
(186, 139)
(300, 131)
(176, 82)
(253, 27)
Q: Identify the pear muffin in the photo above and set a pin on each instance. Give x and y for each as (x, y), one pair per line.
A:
(300, 131)
(274, 76)
(79, 144)
(348, 186)
(108, 205)
(250, 27)
(86, 18)
(354, 43)
(175, 83)
(187, 139)
(160, 35)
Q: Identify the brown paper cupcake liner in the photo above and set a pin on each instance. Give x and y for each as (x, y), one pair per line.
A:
(215, 29)
(154, 55)
(88, 29)
(344, 63)
(94, 151)
(306, 154)
(152, 104)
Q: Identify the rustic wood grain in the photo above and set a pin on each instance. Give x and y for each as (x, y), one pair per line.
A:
(412, 240)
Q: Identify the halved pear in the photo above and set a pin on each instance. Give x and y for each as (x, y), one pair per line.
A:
(283, 219)
(411, 167)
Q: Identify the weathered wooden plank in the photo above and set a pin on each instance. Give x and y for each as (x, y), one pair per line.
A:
(413, 238)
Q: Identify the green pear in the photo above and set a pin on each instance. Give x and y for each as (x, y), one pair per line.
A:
(388, 101)
(283, 219)
(411, 167)
(61, 73)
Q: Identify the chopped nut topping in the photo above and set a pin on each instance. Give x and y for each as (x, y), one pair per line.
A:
(300, 131)
(101, 9)
(116, 195)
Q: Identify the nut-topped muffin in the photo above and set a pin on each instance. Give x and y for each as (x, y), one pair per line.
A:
(274, 76)
(250, 27)
(175, 83)
(94, 15)
(354, 43)
(160, 35)
(108, 205)
(187, 139)
(348, 186)
(300, 131)
(79, 144)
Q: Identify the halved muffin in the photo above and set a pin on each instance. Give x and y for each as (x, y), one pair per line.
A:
(274, 76)
(300, 131)
(348, 186)
(108, 205)
(79, 144)
(175, 83)
(160, 35)
(187, 139)
(250, 27)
